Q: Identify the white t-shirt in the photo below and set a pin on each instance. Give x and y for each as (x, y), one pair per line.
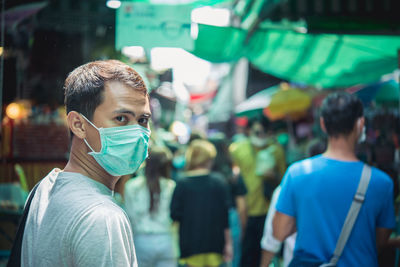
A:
(266, 243)
(74, 221)
(137, 204)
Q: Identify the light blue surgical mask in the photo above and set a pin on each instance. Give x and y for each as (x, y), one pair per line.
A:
(123, 148)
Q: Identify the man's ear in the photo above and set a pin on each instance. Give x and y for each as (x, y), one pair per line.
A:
(76, 124)
(322, 123)
(361, 123)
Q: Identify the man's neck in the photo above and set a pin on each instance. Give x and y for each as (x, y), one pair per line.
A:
(81, 162)
(341, 148)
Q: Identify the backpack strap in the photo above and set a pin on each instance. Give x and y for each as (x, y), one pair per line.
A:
(351, 217)
(15, 255)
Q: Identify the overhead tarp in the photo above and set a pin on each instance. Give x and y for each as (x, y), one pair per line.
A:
(219, 44)
(322, 60)
(325, 60)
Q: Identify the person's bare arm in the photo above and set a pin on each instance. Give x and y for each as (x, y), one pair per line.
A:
(242, 210)
(266, 258)
(228, 248)
(382, 237)
(283, 225)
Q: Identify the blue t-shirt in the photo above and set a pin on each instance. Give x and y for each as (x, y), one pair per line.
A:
(318, 192)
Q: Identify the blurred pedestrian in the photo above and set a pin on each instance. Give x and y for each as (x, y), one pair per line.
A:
(261, 160)
(317, 193)
(237, 193)
(73, 219)
(200, 205)
(147, 202)
(270, 246)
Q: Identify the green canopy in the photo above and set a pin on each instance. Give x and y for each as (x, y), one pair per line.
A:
(325, 60)
(219, 44)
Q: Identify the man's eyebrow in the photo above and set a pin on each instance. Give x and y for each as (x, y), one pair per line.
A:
(126, 111)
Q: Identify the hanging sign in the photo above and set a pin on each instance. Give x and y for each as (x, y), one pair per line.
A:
(153, 25)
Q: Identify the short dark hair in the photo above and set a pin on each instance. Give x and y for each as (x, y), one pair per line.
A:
(340, 111)
(84, 86)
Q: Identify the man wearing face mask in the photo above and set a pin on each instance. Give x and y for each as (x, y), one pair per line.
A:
(317, 194)
(73, 219)
(262, 162)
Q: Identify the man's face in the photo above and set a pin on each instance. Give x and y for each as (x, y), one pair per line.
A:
(258, 136)
(258, 131)
(121, 106)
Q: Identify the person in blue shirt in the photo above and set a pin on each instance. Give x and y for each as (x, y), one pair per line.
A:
(317, 193)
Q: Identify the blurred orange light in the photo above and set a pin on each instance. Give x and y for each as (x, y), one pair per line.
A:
(14, 111)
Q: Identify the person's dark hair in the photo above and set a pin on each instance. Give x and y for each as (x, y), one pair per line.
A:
(340, 112)
(265, 123)
(222, 162)
(84, 86)
(158, 165)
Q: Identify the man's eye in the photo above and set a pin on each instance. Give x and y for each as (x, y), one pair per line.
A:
(144, 121)
(121, 118)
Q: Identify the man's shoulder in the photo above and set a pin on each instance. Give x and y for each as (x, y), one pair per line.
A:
(106, 214)
(238, 145)
(380, 177)
(305, 166)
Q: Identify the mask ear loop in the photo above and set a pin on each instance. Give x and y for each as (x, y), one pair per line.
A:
(84, 139)
(91, 123)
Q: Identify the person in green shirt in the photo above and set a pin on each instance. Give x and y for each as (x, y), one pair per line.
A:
(262, 164)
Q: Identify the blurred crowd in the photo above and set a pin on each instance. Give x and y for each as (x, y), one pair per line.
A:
(212, 193)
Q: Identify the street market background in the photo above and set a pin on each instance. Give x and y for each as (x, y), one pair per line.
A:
(209, 65)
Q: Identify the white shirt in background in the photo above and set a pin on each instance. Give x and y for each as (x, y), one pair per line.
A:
(137, 203)
(268, 233)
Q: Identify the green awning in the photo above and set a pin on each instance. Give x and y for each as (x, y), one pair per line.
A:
(326, 60)
(219, 44)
